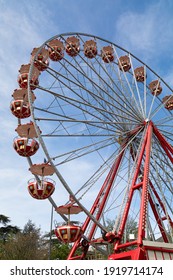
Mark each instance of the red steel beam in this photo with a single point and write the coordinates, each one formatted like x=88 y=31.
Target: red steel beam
x=144 y=197
x=97 y=206
x=130 y=196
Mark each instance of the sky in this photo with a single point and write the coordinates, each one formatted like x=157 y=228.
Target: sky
x=142 y=27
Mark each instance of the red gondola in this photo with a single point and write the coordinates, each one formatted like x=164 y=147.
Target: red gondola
x=25 y=147
x=41 y=62
x=68 y=233
x=124 y=63
x=155 y=87
x=56 y=50
x=23 y=77
x=168 y=100
x=107 y=54
x=43 y=190
x=27 y=130
x=140 y=74
x=90 y=49
x=20 y=109
x=72 y=46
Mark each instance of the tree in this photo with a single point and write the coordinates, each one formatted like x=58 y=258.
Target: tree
x=6 y=230
x=25 y=245
x=60 y=251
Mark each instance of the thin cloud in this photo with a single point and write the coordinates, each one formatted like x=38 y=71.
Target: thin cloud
x=148 y=32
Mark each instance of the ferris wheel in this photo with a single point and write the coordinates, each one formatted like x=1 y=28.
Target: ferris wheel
x=104 y=121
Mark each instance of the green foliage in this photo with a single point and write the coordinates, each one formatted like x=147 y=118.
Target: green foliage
x=25 y=245
x=60 y=251
x=4 y=220
x=6 y=231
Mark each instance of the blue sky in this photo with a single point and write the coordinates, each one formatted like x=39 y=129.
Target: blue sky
x=142 y=27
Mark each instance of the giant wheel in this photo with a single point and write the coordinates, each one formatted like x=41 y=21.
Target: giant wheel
x=99 y=111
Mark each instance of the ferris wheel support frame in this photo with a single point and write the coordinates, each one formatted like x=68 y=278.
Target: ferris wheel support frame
x=98 y=206
x=139 y=252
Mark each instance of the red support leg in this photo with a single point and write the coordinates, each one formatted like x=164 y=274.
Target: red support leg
x=144 y=198
x=130 y=196
x=98 y=205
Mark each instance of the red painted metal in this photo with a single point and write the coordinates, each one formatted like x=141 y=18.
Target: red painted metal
x=25 y=147
x=72 y=46
x=41 y=62
x=43 y=190
x=56 y=50
x=160 y=203
x=144 y=198
x=136 y=254
x=20 y=109
x=24 y=75
x=136 y=249
x=98 y=205
x=68 y=233
x=131 y=191
x=165 y=145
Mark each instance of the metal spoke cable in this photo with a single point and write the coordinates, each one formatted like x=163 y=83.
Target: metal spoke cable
x=94 y=85
x=96 y=97
x=111 y=96
x=106 y=83
x=161 y=121
x=74 y=103
x=76 y=156
x=129 y=181
x=160 y=162
x=121 y=94
x=129 y=86
x=137 y=89
x=160 y=106
x=153 y=99
x=129 y=113
x=128 y=143
x=158 y=187
x=162 y=194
